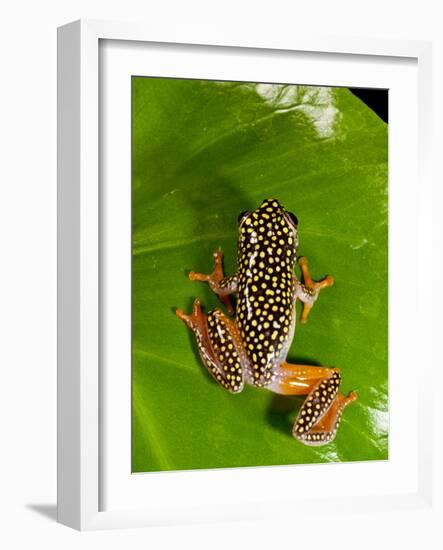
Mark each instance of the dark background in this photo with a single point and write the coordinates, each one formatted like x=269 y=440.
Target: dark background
x=376 y=99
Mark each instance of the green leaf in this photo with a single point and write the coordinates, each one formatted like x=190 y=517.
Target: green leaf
x=204 y=151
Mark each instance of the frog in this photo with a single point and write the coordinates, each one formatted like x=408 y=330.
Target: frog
x=249 y=344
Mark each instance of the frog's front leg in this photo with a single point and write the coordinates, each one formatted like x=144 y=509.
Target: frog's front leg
x=221 y=285
x=308 y=290
x=319 y=416
x=219 y=345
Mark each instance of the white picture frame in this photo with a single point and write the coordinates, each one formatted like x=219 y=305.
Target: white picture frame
x=79 y=270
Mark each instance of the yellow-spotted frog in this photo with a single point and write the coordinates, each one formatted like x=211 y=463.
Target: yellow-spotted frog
x=252 y=346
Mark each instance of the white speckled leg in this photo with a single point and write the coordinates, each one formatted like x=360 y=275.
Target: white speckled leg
x=219 y=346
x=319 y=416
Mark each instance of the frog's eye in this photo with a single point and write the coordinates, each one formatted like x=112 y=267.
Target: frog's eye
x=242 y=216
x=293 y=218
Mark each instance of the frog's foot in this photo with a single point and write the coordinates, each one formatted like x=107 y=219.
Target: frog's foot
x=196 y=320
x=319 y=416
x=221 y=285
x=219 y=345
x=308 y=291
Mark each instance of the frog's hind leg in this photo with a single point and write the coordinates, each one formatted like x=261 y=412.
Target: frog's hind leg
x=221 y=285
x=219 y=345
x=325 y=428
x=308 y=290
x=319 y=416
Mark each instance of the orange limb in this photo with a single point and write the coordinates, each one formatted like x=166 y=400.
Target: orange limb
x=310 y=289
x=301 y=379
x=319 y=416
x=221 y=285
x=196 y=320
x=327 y=422
x=219 y=345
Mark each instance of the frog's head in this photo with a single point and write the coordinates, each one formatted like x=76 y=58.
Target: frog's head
x=270 y=221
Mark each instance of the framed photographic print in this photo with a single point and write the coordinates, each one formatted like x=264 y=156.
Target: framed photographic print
x=303 y=147
x=235 y=225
